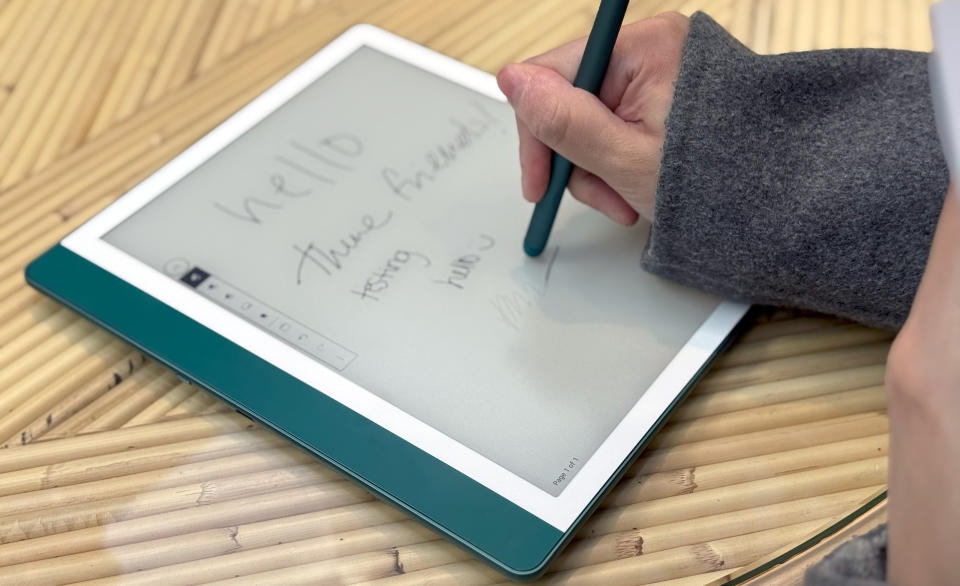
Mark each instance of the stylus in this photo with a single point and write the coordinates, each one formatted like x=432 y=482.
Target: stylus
x=593 y=66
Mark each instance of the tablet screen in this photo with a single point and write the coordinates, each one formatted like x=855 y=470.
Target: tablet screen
x=373 y=223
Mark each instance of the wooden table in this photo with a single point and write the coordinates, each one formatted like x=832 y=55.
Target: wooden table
x=112 y=465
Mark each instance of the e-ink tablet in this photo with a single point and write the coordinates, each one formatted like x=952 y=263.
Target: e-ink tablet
x=341 y=260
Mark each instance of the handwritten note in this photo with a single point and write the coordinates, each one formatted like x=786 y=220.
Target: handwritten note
x=310 y=167
x=379 y=212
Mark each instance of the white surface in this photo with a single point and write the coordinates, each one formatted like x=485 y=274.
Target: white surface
x=945 y=78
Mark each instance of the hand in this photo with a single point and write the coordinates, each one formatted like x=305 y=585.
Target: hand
x=615 y=139
x=923 y=390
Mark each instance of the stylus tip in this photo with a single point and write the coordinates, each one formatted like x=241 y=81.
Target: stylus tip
x=533 y=249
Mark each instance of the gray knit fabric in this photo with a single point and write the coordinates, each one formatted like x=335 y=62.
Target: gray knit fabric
x=809 y=180
x=859 y=562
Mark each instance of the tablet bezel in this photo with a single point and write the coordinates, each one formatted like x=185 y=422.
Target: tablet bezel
x=561 y=513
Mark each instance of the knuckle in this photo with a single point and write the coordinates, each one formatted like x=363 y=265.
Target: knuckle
x=671 y=22
x=664 y=27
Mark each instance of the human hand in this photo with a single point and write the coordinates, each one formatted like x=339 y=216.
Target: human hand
x=614 y=139
x=923 y=403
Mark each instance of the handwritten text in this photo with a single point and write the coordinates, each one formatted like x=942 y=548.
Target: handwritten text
x=382 y=278
x=331 y=258
x=466 y=134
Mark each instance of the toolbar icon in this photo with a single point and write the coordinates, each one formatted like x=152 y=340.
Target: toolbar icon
x=195 y=277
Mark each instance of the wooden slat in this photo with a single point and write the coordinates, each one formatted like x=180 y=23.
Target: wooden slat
x=828 y=24
x=214 y=47
x=178 y=61
x=873 y=16
x=850 y=32
x=63 y=86
x=119 y=38
x=26 y=31
x=8 y=16
x=118 y=88
x=39 y=74
x=77 y=113
x=146 y=62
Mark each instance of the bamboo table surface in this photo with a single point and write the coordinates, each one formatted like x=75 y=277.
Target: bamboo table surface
x=114 y=470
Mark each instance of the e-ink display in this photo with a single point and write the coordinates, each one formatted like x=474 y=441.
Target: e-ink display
x=379 y=233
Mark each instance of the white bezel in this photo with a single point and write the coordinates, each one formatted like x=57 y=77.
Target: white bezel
x=560 y=511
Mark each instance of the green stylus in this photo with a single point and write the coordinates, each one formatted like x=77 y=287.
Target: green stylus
x=593 y=66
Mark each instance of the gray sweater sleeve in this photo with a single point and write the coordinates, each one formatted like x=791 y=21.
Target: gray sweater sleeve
x=809 y=180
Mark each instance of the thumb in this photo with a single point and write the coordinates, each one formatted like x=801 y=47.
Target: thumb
x=569 y=120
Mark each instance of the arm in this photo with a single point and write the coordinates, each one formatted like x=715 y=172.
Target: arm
x=923 y=390
x=918 y=547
